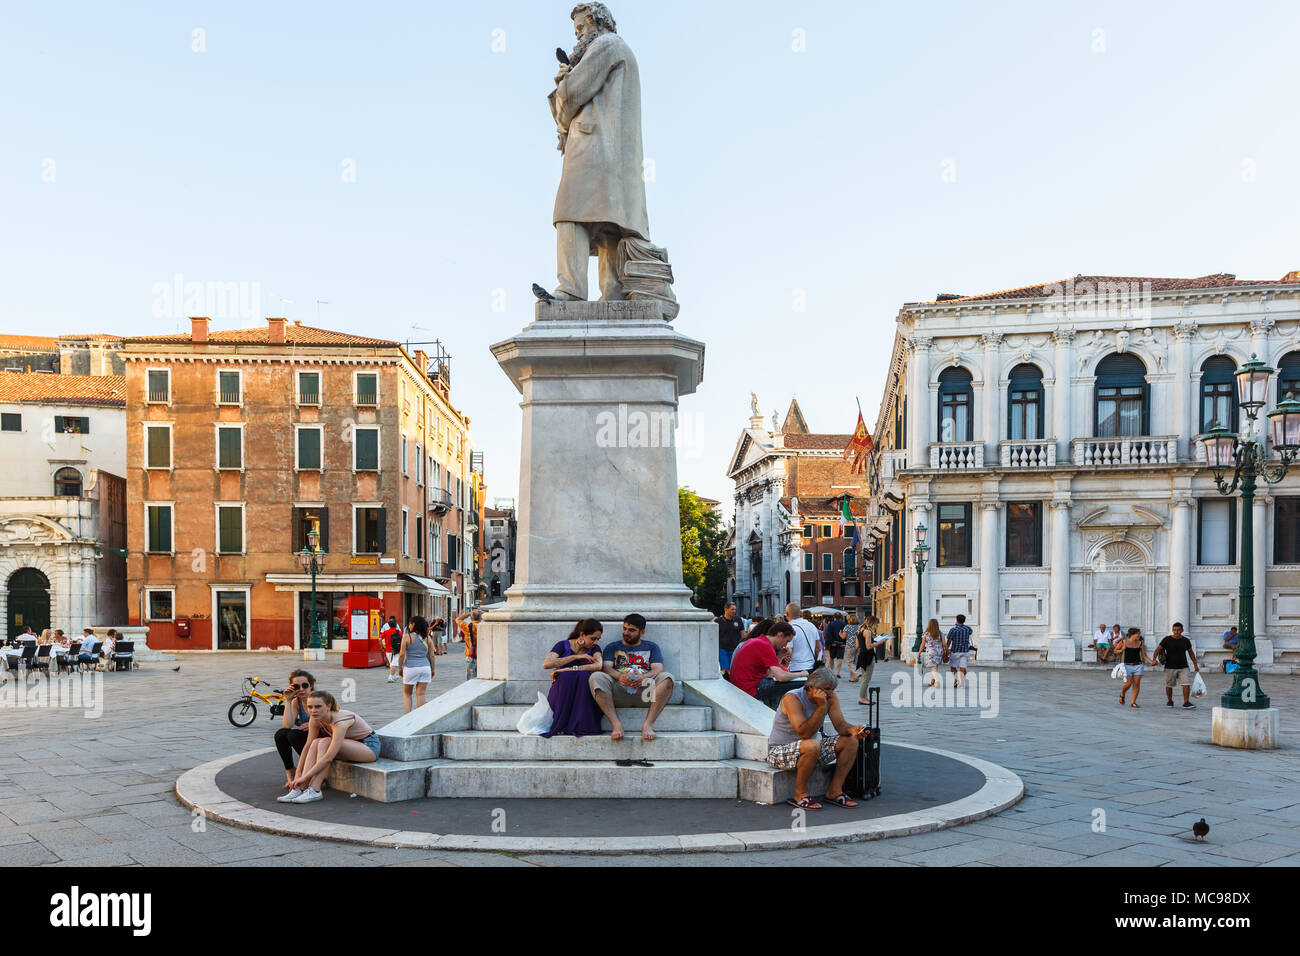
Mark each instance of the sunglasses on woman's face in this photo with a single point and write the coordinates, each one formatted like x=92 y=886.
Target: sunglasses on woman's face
x=301 y=686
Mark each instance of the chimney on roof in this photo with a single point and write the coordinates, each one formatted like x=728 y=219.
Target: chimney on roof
x=297 y=321
x=275 y=330
x=199 y=328
x=422 y=360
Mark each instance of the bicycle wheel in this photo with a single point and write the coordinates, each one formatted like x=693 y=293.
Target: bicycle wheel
x=242 y=712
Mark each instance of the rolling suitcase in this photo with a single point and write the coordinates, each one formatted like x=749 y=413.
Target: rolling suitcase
x=863 y=781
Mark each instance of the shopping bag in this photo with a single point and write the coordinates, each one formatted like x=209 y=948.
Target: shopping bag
x=1198 y=685
x=1118 y=672
x=537 y=719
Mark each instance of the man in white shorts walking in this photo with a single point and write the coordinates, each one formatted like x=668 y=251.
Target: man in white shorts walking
x=959 y=650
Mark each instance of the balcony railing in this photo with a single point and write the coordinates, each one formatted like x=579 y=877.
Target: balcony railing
x=158 y=395
x=439 y=501
x=891 y=463
x=957 y=455
x=308 y=396
x=1135 y=452
x=1028 y=453
x=438 y=571
x=229 y=396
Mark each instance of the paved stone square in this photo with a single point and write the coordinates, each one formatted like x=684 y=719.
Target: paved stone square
x=77 y=791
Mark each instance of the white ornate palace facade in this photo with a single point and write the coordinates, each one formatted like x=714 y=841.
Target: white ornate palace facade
x=1046 y=437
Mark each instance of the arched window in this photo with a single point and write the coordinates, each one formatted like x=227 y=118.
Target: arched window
x=850 y=563
x=1288 y=376
x=955 y=401
x=1218 y=393
x=1120 y=406
x=1025 y=405
x=67 y=483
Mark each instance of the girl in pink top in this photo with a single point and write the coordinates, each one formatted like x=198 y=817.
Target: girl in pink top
x=332 y=734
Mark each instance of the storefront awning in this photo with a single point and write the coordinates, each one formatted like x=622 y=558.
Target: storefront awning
x=428 y=584
x=344 y=581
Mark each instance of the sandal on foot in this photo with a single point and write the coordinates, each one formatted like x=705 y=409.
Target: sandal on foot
x=807 y=803
x=1135 y=705
x=842 y=800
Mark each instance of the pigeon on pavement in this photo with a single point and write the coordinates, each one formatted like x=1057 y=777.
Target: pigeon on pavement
x=1200 y=828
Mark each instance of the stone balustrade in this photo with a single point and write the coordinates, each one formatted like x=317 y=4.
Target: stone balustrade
x=1029 y=453
x=957 y=455
x=1137 y=451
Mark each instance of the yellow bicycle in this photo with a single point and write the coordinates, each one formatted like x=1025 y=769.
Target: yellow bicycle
x=244 y=711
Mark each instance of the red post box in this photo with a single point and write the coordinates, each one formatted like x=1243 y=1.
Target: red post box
x=182 y=627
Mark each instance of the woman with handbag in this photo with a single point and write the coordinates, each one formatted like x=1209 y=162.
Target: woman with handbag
x=933 y=652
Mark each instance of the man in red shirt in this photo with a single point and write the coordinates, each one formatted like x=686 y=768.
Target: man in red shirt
x=756 y=671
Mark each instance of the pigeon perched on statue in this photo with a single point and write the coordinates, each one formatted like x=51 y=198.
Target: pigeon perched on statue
x=1200 y=828
x=542 y=293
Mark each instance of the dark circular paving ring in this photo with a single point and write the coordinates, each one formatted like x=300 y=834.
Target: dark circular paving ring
x=922 y=789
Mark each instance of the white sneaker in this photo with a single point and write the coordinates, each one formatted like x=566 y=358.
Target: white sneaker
x=289 y=797
x=309 y=796
x=392 y=678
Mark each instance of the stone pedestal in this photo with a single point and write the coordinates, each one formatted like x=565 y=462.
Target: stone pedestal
x=599 y=535
x=1061 y=649
x=989 y=649
x=1263 y=651
x=1246 y=729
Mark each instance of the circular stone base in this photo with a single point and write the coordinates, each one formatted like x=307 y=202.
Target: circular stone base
x=922 y=789
x=1245 y=729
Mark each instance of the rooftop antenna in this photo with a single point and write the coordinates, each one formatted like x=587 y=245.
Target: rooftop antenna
x=319 y=303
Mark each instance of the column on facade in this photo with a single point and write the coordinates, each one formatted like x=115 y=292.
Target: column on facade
x=992 y=398
x=1180 y=558
x=1185 y=424
x=1261 y=565
x=918 y=394
x=990 y=567
x=1059 y=604
x=1061 y=392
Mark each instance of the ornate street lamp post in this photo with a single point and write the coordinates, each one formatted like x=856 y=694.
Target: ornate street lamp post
x=919 y=555
x=312 y=559
x=1247 y=458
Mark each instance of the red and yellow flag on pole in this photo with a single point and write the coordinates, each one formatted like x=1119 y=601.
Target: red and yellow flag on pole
x=858 y=446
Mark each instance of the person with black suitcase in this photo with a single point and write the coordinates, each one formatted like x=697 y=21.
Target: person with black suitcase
x=796 y=741
x=863 y=780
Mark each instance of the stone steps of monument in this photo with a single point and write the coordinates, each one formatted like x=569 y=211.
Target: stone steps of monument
x=514 y=746
x=672 y=719
x=759 y=783
x=582 y=779
x=384 y=780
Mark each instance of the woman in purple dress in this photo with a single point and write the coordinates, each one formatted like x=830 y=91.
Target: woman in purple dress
x=573 y=709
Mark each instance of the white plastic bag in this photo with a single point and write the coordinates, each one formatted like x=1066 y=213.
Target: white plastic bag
x=1118 y=672
x=1198 y=685
x=537 y=719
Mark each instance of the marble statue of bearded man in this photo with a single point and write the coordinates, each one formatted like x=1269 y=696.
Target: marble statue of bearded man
x=601 y=200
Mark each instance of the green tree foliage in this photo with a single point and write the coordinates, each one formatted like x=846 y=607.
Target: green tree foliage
x=704 y=557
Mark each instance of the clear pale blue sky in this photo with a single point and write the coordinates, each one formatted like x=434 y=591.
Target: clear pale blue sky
x=776 y=171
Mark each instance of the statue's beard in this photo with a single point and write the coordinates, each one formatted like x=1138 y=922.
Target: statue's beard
x=580 y=48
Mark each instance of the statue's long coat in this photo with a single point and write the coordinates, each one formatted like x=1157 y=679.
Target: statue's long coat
x=598 y=106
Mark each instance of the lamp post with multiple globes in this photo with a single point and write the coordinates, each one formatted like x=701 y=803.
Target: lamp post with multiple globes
x=1238 y=462
x=312 y=559
x=920 y=554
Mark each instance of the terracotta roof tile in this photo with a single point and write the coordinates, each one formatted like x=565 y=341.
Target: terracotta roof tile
x=293 y=335
x=822 y=441
x=34 y=388
x=823 y=509
x=40 y=343
x=1044 y=289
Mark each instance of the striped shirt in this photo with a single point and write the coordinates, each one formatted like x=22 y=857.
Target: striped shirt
x=959 y=639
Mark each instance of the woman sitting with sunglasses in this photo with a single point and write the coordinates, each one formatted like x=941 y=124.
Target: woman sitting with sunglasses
x=292 y=735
